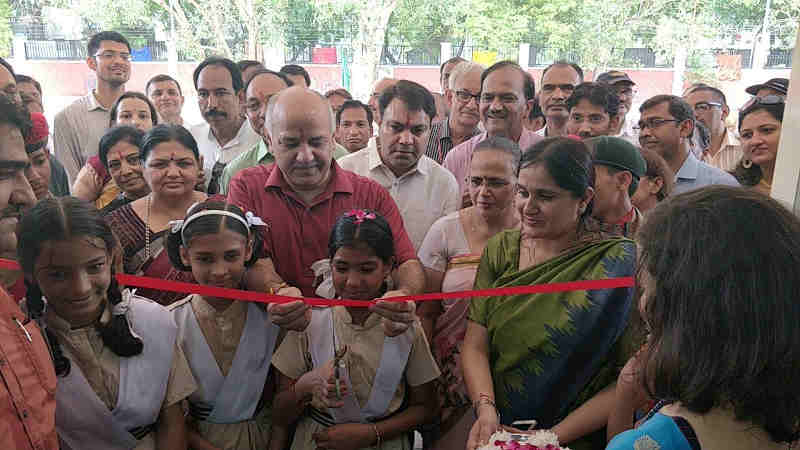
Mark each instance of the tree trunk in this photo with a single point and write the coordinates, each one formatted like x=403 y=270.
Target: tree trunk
x=373 y=20
x=681 y=53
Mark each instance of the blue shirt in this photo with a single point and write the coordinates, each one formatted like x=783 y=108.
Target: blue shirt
x=695 y=174
x=660 y=432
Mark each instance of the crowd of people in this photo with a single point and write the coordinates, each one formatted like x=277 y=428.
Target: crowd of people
x=498 y=181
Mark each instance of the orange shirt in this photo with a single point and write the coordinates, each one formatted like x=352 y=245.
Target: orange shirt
x=27 y=383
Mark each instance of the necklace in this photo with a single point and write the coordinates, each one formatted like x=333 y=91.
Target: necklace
x=147 y=230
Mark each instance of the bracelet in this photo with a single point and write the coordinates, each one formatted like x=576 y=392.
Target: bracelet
x=378 y=436
x=275 y=289
x=485 y=399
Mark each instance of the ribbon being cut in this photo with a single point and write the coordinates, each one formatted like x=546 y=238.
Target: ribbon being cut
x=134 y=281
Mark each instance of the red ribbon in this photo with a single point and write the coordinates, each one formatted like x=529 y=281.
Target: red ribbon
x=250 y=296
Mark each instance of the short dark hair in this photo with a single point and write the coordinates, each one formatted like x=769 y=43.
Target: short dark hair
x=536 y=110
x=678 y=108
x=568 y=162
x=501 y=144
x=137 y=95
x=717 y=92
x=26 y=79
x=248 y=63
x=562 y=63
x=737 y=348
x=233 y=69
x=281 y=75
x=115 y=135
x=97 y=39
x=8 y=67
x=341 y=92
x=160 y=78
x=294 y=69
x=598 y=94
x=354 y=104
x=657 y=167
x=375 y=233
x=451 y=60
x=15 y=115
x=751 y=176
x=210 y=224
x=168 y=133
x=414 y=95
x=528 y=85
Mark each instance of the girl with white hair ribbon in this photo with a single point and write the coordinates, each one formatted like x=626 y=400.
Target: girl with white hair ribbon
x=228 y=343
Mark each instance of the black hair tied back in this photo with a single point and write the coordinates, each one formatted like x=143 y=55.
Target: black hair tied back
x=117 y=334
x=35 y=306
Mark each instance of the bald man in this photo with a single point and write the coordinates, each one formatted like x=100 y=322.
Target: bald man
x=303 y=194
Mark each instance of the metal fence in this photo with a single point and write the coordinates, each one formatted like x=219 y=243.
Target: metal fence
x=780 y=57
x=745 y=54
x=401 y=55
x=76 y=50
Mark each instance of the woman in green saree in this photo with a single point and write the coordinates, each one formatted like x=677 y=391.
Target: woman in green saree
x=541 y=356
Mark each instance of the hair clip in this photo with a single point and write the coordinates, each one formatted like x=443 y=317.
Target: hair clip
x=360 y=215
x=254 y=220
x=176 y=225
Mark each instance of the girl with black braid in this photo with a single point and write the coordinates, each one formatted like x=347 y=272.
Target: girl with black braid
x=121 y=374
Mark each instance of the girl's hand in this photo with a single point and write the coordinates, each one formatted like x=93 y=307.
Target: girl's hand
x=321 y=383
x=629 y=388
x=397 y=316
x=483 y=428
x=347 y=436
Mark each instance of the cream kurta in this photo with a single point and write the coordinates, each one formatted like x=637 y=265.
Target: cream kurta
x=222 y=331
x=100 y=367
x=364 y=344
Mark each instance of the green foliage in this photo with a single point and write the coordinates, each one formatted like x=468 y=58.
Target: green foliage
x=5 y=29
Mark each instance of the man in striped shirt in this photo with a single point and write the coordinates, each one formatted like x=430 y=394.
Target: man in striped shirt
x=462 y=122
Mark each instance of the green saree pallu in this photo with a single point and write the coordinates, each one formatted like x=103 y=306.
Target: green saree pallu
x=548 y=353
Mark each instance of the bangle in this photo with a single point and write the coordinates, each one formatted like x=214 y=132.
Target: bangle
x=274 y=289
x=485 y=399
x=378 y=436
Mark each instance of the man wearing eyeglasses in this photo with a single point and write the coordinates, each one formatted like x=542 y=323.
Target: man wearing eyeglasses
x=77 y=129
x=558 y=81
x=666 y=127
x=711 y=108
x=463 y=95
x=507 y=93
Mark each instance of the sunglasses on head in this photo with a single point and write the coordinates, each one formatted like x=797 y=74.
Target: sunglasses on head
x=765 y=100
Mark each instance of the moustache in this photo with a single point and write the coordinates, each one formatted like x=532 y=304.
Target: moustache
x=215 y=113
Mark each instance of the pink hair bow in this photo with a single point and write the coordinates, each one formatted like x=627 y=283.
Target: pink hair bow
x=360 y=215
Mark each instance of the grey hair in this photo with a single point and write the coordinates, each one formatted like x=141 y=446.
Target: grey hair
x=462 y=69
x=501 y=144
x=274 y=99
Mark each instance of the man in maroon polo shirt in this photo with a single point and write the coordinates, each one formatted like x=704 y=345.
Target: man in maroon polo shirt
x=304 y=192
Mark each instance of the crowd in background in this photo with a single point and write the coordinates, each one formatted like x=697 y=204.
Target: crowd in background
x=497 y=181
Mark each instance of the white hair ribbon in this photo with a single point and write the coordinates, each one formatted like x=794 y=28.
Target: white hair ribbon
x=249 y=220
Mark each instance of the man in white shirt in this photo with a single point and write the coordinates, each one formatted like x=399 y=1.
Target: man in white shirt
x=166 y=95
x=423 y=190
x=226 y=133
x=558 y=81
x=77 y=129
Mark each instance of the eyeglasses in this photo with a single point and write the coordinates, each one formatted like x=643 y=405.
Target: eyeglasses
x=466 y=96
x=701 y=107
x=491 y=183
x=111 y=55
x=652 y=123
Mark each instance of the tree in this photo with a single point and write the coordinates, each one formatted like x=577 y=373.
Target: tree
x=6 y=38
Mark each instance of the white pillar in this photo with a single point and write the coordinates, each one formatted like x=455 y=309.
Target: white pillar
x=786 y=180
x=524 y=55
x=445 y=52
x=19 y=48
x=679 y=69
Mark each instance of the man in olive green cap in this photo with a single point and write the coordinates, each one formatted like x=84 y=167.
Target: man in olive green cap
x=618 y=166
